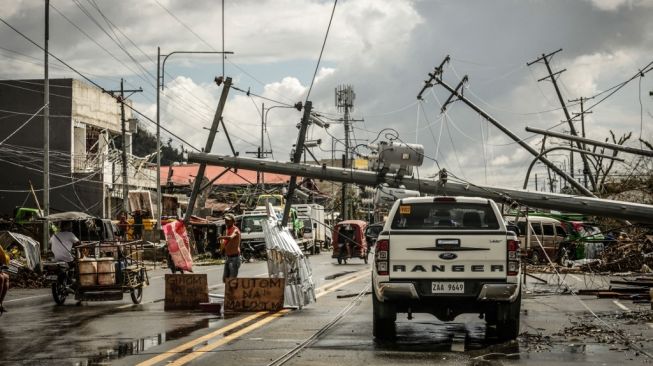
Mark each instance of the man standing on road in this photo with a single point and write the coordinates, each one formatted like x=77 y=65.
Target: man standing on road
x=231 y=248
x=62 y=243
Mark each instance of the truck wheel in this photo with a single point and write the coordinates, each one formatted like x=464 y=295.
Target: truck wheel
x=383 y=320
x=508 y=319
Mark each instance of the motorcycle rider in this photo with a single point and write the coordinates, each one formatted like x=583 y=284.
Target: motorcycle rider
x=231 y=248
x=62 y=243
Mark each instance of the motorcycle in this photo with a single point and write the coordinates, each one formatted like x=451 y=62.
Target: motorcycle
x=256 y=250
x=61 y=277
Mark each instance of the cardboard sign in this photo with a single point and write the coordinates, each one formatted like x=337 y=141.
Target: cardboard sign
x=185 y=291
x=253 y=294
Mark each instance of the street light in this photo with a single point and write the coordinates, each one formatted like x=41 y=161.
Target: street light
x=160 y=75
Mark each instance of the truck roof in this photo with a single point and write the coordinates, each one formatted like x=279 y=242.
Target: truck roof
x=433 y=198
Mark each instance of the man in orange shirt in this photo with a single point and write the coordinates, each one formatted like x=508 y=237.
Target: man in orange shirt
x=231 y=243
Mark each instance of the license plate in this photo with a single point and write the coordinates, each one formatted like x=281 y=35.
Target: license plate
x=51 y=277
x=448 y=287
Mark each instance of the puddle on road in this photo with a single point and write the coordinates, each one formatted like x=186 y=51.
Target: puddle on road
x=138 y=346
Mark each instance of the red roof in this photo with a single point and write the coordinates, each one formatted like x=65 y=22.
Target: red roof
x=183 y=175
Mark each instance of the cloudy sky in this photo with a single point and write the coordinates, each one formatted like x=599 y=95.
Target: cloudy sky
x=383 y=48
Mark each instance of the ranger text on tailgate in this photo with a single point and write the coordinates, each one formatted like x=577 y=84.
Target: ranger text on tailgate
x=446 y=256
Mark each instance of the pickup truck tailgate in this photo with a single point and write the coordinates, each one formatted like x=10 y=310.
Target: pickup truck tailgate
x=445 y=254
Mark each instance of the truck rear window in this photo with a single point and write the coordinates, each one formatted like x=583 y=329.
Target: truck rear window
x=445 y=216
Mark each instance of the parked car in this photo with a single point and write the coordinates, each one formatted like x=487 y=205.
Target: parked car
x=547 y=235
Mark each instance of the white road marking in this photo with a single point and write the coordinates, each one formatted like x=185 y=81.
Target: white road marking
x=622 y=306
x=575 y=277
x=26 y=298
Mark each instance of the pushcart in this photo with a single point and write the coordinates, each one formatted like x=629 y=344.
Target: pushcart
x=101 y=271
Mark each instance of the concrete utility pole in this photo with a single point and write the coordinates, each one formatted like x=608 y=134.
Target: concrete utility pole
x=438 y=79
x=562 y=202
x=209 y=145
x=296 y=158
x=552 y=76
x=582 y=130
x=260 y=151
x=46 y=133
x=345 y=102
x=123 y=121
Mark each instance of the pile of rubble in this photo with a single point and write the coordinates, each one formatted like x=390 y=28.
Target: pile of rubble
x=623 y=256
x=25 y=278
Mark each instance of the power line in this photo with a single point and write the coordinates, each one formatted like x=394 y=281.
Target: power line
x=317 y=66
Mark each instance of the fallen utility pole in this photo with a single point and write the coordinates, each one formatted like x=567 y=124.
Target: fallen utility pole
x=562 y=202
x=585 y=140
x=529 y=148
x=209 y=145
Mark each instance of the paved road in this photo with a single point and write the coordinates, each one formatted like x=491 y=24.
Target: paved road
x=556 y=329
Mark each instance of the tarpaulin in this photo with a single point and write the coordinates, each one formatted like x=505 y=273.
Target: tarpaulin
x=30 y=249
x=178 y=245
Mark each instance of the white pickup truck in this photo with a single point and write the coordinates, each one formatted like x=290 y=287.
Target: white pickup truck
x=446 y=256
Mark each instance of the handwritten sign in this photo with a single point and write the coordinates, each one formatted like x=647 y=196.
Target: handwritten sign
x=253 y=294
x=185 y=291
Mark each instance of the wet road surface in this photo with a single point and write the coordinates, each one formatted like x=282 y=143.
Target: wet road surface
x=556 y=329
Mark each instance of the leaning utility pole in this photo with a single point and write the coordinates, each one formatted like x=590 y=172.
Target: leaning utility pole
x=572 y=129
x=296 y=158
x=125 y=181
x=46 y=133
x=436 y=77
x=217 y=118
x=345 y=102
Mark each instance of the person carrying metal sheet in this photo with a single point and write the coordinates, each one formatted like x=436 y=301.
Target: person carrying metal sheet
x=231 y=243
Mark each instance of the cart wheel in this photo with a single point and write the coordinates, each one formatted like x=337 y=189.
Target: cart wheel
x=137 y=294
x=339 y=260
x=365 y=258
x=59 y=292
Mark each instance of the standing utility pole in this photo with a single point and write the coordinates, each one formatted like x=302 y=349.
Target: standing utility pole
x=125 y=181
x=345 y=101
x=572 y=129
x=260 y=151
x=582 y=131
x=46 y=133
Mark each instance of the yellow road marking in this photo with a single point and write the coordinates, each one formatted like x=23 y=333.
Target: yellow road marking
x=210 y=347
x=331 y=288
x=199 y=340
x=197 y=353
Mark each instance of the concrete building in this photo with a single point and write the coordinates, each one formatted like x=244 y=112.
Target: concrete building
x=85 y=167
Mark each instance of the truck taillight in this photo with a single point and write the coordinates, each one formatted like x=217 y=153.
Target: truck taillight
x=513 y=257
x=382 y=256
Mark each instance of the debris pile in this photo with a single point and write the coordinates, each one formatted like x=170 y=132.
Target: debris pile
x=623 y=256
x=636 y=289
x=26 y=278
